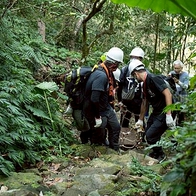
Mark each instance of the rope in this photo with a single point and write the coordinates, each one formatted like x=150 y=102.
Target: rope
x=130 y=137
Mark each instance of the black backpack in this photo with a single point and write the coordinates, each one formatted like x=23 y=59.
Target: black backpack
x=170 y=84
x=75 y=82
x=169 y=81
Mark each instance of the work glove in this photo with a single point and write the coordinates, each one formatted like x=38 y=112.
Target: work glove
x=169 y=121
x=139 y=123
x=120 y=104
x=98 y=122
x=116 y=108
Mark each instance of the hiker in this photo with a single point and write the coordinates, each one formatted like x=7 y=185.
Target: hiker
x=132 y=105
x=156 y=93
x=99 y=101
x=181 y=79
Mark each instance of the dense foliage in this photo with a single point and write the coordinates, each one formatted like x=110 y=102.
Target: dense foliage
x=180 y=142
x=32 y=126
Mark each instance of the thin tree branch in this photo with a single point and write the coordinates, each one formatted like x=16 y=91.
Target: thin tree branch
x=109 y=31
x=8 y=7
x=95 y=10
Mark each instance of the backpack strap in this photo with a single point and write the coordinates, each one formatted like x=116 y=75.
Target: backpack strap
x=94 y=68
x=124 y=72
x=111 y=84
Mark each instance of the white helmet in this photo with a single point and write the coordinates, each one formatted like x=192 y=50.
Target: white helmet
x=117 y=74
x=137 y=51
x=115 y=54
x=136 y=65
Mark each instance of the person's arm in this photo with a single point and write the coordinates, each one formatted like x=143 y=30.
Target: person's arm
x=98 y=87
x=143 y=109
x=95 y=100
x=183 y=82
x=95 y=95
x=182 y=85
x=119 y=92
x=168 y=98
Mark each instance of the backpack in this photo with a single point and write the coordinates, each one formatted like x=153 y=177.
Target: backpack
x=169 y=81
x=128 y=92
x=170 y=84
x=128 y=89
x=75 y=82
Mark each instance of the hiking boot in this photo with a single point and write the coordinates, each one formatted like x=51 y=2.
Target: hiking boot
x=69 y=110
x=159 y=156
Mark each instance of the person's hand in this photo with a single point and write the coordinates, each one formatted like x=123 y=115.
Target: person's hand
x=116 y=108
x=120 y=104
x=170 y=121
x=98 y=122
x=123 y=108
x=139 y=123
x=175 y=80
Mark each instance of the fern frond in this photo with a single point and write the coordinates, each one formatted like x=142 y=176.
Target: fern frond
x=14 y=135
x=26 y=123
x=32 y=156
x=16 y=156
x=29 y=140
x=2 y=128
x=6 y=140
x=13 y=109
x=6 y=167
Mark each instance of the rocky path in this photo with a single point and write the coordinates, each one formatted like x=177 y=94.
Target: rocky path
x=92 y=171
x=97 y=171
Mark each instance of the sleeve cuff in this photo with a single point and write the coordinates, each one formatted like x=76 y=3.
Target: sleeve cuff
x=182 y=85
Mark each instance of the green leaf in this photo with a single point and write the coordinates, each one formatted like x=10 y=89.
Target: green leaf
x=37 y=112
x=174 y=175
x=65 y=97
x=183 y=7
x=51 y=86
x=179 y=189
x=193 y=82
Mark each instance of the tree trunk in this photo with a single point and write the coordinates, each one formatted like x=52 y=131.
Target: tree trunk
x=41 y=29
x=156 y=43
x=95 y=9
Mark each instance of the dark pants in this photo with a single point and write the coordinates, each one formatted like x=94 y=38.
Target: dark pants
x=133 y=107
x=86 y=136
x=98 y=135
x=110 y=121
x=156 y=126
x=111 y=124
x=93 y=135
